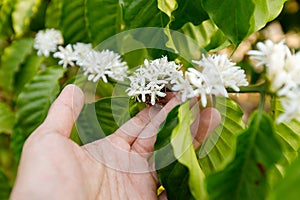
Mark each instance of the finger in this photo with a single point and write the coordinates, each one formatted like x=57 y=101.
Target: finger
x=204 y=124
x=64 y=111
x=132 y=128
x=145 y=141
x=163 y=196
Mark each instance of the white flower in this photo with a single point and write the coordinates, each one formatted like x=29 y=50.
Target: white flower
x=98 y=65
x=151 y=78
x=46 y=41
x=291 y=108
x=81 y=51
x=273 y=56
x=220 y=73
x=66 y=56
x=199 y=85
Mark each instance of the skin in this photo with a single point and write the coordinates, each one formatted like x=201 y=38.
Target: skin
x=117 y=167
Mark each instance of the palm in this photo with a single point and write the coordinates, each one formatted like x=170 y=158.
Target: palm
x=82 y=172
x=116 y=167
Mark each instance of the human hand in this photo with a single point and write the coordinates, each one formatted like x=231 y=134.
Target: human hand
x=117 y=167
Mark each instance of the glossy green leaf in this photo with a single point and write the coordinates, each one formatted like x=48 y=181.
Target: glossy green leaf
x=288 y=188
x=73 y=24
x=53 y=14
x=265 y=11
x=13 y=56
x=175 y=157
x=143 y=13
x=27 y=71
x=289 y=136
x=7 y=118
x=188 y=11
x=33 y=104
x=246 y=177
x=238 y=19
x=23 y=12
x=219 y=148
x=4 y=186
x=104 y=117
x=104 y=24
x=203 y=37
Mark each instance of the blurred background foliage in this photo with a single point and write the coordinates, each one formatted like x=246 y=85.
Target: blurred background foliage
x=20 y=20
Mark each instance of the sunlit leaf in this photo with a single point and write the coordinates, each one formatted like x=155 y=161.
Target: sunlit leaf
x=265 y=11
x=175 y=157
x=246 y=177
x=167 y=6
x=205 y=36
x=13 y=56
x=23 y=12
x=33 y=104
x=219 y=149
x=7 y=118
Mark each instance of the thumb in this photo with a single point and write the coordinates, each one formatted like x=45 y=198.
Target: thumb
x=64 y=111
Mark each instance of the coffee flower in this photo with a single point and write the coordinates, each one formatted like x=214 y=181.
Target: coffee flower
x=282 y=70
x=81 y=50
x=103 y=64
x=66 y=56
x=273 y=56
x=152 y=79
x=46 y=41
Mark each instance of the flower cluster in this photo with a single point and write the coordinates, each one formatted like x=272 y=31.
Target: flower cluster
x=95 y=64
x=46 y=41
x=282 y=70
x=152 y=78
x=214 y=74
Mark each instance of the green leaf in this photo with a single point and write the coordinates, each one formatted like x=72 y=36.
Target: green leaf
x=265 y=11
x=238 y=19
x=205 y=36
x=23 y=13
x=27 y=71
x=167 y=6
x=104 y=24
x=246 y=177
x=7 y=118
x=33 y=104
x=219 y=148
x=104 y=117
x=53 y=14
x=4 y=186
x=289 y=137
x=13 y=56
x=231 y=16
x=188 y=11
x=73 y=24
x=175 y=157
x=287 y=188
x=143 y=13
